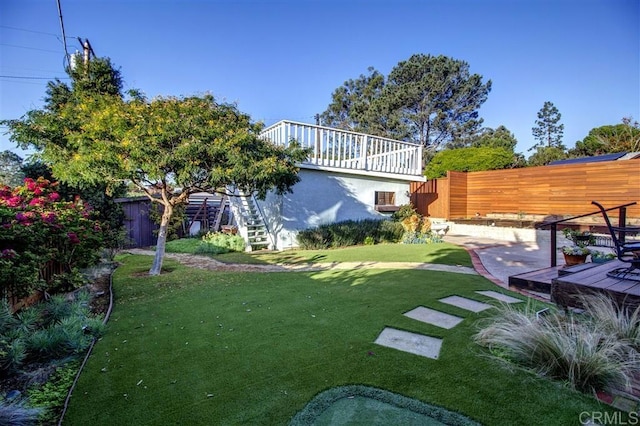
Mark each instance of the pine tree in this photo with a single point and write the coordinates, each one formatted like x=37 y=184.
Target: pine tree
x=548 y=130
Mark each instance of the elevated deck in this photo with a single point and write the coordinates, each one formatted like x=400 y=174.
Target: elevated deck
x=350 y=152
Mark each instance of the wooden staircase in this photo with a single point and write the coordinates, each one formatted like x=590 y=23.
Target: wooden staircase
x=250 y=220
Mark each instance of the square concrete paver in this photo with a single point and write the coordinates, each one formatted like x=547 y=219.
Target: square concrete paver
x=499 y=296
x=431 y=316
x=464 y=303
x=414 y=343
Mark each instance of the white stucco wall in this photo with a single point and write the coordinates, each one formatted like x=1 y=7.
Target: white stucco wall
x=324 y=197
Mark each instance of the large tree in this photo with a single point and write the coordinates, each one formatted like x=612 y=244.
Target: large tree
x=548 y=130
x=500 y=137
x=426 y=99
x=167 y=147
x=624 y=137
x=353 y=106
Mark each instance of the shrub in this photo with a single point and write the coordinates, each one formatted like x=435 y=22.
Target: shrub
x=43 y=235
x=420 y=238
x=52 y=329
x=471 y=159
x=405 y=211
x=12 y=354
x=561 y=347
x=349 y=233
x=218 y=242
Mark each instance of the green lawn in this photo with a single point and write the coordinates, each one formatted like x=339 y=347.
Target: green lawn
x=200 y=347
x=443 y=253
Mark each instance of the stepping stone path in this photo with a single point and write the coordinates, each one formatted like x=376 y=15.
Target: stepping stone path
x=427 y=346
x=431 y=316
x=499 y=296
x=414 y=343
x=464 y=303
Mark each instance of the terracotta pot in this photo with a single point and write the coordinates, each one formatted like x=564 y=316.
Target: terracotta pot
x=575 y=259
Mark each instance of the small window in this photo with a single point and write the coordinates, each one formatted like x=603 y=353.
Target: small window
x=385 y=202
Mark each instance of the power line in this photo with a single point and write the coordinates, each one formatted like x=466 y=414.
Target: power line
x=27 y=47
x=32 y=78
x=64 y=43
x=28 y=31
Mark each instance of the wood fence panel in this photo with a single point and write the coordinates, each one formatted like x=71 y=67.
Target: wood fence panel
x=431 y=198
x=547 y=190
x=458 y=194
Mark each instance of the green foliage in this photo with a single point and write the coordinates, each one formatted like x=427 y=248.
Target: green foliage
x=560 y=346
x=44 y=237
x=468 y=160
x=90 y=134
x=12 y=354
x=67 y=281
x=353 y=105
x=426 y=99
x=417 y=230
x=53 y=329
x=501 y=137
x=176 y=223
x=10 y=169
x=50 y=396
x=349 y=233
x=369 y=241
x=219 y=242
x=326 y=322
x=545 y=155
x=210 y=243
x=624 y=137
x=405 y=211
x=420 y=238
x=548 y=130
x=579 y=238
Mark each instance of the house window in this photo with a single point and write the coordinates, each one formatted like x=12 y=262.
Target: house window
x=386 y=202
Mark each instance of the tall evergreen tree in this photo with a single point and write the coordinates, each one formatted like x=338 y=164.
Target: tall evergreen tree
x=426 y=99
x=548 y=130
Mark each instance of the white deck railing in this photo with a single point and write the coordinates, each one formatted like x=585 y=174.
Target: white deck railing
x=348 y=150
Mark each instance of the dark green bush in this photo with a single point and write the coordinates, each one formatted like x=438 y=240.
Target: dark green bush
x=349 y=233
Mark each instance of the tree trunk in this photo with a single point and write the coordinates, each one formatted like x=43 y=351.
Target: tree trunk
x=162 y=240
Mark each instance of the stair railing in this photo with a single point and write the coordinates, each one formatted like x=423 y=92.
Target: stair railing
x=622 y=219
x=264 y=220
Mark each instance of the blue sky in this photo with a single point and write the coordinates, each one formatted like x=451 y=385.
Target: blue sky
x=283 y=59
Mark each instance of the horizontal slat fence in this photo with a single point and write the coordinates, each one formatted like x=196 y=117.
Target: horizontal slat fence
x=546 y=190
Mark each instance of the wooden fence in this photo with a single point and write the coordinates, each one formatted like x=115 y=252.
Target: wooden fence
x=547 y=190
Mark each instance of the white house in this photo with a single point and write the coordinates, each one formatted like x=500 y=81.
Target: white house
x=349 y=175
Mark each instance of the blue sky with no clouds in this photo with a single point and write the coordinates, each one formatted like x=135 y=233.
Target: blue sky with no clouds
x=283 y=59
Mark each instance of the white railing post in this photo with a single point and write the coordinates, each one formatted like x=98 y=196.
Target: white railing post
x=345 y=149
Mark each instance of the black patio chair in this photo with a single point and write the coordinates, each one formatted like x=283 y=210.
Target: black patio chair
x=628 y=252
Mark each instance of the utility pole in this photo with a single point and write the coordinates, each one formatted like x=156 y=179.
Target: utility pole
x=87 y=50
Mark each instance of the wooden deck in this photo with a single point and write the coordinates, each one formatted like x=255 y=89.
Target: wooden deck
x=566 y=288
x=540 y=280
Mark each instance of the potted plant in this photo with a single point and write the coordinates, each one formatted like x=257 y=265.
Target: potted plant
x=574 y=255
x=598 y=256
x=579 y=238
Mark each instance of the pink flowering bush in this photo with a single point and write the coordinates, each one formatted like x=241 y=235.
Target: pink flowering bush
x=42 y=238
